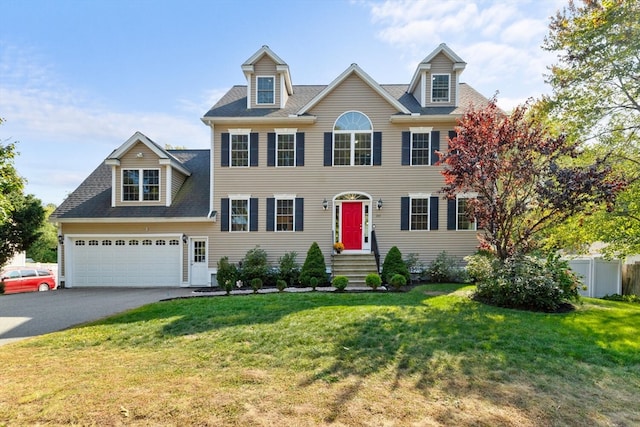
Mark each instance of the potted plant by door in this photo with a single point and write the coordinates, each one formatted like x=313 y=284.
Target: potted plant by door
x=338 y=247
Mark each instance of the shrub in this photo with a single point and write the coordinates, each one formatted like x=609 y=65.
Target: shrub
x=393 y=264
x=256 y=284
x=617 y=297
x=373 y=281
x=530 y=283
x=340 y=283
x=289 y=269
x=314 y=266
x=397 y=281
x=445 y=268
x=313 y=282
x=227 y=274
x=254 y=265
x=281 y=285
x=479 y=267
x=415 y=266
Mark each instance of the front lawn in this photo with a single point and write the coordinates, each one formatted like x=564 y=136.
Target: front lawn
x=429 y=357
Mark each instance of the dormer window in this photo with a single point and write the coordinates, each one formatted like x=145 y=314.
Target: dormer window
x=266 y=90
x=440 y=88
x=135 y=189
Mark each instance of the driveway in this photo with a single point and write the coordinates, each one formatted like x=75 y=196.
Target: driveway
x=37 y=313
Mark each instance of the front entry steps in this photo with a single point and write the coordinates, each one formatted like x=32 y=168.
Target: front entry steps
x=355 y=266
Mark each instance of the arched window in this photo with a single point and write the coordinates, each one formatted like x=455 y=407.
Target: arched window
x=352 y=140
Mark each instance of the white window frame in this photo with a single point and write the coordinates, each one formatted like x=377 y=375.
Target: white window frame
x=273 y=91
x=286 y=132
x=352 y=133
x=277 y=198
x=433 y=76
x=464 y=196
x=140 y=185
x=420 y=130
x=232 y=199
x=239 y=132
x=420 y=196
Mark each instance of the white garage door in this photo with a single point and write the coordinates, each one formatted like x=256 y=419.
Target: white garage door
x=125 y=261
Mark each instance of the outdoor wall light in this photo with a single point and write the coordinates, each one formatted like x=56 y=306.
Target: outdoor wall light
x=184 y=239
x=61 y=239
x=139 y=155
x=325 y=204
x=379 y=204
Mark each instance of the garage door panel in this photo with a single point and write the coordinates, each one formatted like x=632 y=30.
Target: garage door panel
x=125 y=261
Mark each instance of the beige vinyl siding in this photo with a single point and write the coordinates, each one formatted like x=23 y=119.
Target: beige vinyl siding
x=315 y=182
x=442 y=65
x=177 y=179
x=265 y=67
x=149 y=160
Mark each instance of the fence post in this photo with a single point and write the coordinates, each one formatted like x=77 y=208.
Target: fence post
x=631 y=279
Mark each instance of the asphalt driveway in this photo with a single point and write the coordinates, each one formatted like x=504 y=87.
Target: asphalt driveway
x=37 y=313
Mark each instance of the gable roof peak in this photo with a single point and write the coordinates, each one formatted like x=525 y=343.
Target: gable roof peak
x=447 y=51
x=264 y=50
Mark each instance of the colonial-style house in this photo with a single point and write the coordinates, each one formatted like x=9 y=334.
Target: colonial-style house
x=352 y=161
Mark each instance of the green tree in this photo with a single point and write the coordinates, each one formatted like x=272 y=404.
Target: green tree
x=596 y=97
x=314 y=267
x=45 y=248
x=20 y=216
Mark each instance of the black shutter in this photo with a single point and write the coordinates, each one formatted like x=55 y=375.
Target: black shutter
x=253 y=213
x=271 y=212
x=328 y=148
x=271 y=149
x=224 y=150
x=300 y=149
x=377 y=148
x=404 y=213
x=299 y=214
x=433 y=213
x=224 y=214
x=435 y=146
x=451 y=214
x=253 y=149
x=452 y=134
x=406 y=148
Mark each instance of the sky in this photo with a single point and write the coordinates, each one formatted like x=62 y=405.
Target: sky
x=79 y=77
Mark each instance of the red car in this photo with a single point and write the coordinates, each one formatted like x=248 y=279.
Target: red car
x=27 y=279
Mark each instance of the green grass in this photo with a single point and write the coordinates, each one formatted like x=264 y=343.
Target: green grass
x=430 y=356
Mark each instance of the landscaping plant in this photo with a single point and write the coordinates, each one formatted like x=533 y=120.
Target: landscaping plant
x=289 y=269
x=340 y=283
x=373 y=280
x=393 y=264
x=227 y=274
x=398 y=281
x=314 y=266
x=445 y=268
x=254 y=265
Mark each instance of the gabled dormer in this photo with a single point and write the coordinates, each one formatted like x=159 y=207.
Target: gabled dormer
x=144 y=174
x=436 y=80
x=268 y=80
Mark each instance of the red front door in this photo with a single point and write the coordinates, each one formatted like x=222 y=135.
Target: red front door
x=352 y=225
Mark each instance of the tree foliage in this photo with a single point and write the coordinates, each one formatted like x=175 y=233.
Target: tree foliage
x=45 y=248
x=20 y=216
x=596 y=96
x=524 y=178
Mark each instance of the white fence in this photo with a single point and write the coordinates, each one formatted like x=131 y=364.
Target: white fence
x=601 y=277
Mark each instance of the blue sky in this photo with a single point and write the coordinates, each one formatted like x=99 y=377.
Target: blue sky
x=78 y=78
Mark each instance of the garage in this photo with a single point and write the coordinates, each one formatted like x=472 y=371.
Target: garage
x=136 y=261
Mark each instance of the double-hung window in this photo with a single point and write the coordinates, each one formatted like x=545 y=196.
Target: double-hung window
x=353 y=140
x=136 y=189
x=286 y=149
x=239 y=149
x=463 y=219
x=440 y=88
x=419 y=219
x=284 y=214
x=266 y=91
x=420 y=148
x=239 y=215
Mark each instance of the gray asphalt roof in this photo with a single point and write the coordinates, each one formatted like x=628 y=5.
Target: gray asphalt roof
x=92 y=199
x=234 y=102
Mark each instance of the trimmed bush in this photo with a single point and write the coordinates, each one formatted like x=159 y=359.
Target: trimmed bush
x=398 y=281
x=479 y=267
x=254 y=265
x=281 y=285
x=445 y=268
x=530 y=283
x=289 y=269
x=227 y=274
x=393 y=264
x=314 y=266
x=373 y=281
x=340 y=283
x=256 y=284
x=313 y=282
